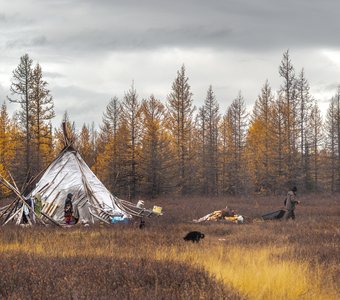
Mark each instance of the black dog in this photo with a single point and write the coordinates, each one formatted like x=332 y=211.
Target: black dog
x=142 y=224
x=194 y=236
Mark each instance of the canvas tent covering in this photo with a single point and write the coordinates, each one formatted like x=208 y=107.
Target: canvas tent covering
x=69 y=173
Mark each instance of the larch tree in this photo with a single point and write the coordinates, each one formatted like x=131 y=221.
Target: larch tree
x=201 y=156
x=4 y=136
x=18 y=147
x=156 y=156
x=109 y=161
x=131 y=118
x=123 y=181
x=331 y=142
x=21 y=89
x=180 y=114
x=209 y=117
x=236 y=125
x=337 y=118
x=288 y=96
x=111 y=118
x=225 y=145
x=7 y=153
x=42 y=108
x=305 y=103
x=85 y=146
x=260 y=141
x=314 y=139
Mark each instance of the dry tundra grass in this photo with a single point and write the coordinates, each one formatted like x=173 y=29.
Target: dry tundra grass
x=256 y=260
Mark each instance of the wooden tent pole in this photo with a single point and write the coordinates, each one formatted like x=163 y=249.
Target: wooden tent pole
x=50 y=219
x=8 y=208
x=13 y=209
x=17 y=212
x=11 y=187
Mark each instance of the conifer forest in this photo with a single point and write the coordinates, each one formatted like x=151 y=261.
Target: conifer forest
x=153 y=147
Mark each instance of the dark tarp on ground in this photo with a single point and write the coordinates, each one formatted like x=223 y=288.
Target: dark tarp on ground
x=278 y=214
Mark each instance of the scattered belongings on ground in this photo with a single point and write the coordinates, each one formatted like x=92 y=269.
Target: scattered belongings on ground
x=90 y=201
x=194 y=236
x=225 y=214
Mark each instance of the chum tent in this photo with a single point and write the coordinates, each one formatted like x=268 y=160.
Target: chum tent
x=69 y=173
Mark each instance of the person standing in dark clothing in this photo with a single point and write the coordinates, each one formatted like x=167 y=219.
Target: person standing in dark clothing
x=290 y=204
x=68 y=209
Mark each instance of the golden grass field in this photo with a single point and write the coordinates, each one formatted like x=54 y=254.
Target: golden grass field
x=256 y=260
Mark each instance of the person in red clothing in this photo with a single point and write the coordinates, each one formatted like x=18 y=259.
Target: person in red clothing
x=68 y=209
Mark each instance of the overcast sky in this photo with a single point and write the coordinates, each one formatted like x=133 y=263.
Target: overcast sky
x=90 y=51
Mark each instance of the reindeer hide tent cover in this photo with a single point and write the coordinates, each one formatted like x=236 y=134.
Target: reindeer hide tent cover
x=69 y=173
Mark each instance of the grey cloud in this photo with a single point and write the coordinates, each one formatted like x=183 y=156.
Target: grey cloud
x=53 y=75
x=242 y=40
x=114 y=25
x=82 y=105
x=3 y=18
x=14 y=20
x=264 y=24
x=37 y=41
x=330 y=88
x=190 y=36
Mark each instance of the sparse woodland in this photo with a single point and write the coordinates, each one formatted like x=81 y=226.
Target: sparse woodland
x=152 y=147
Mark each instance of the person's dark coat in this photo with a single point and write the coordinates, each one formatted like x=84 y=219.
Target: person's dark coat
x=68 y=207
